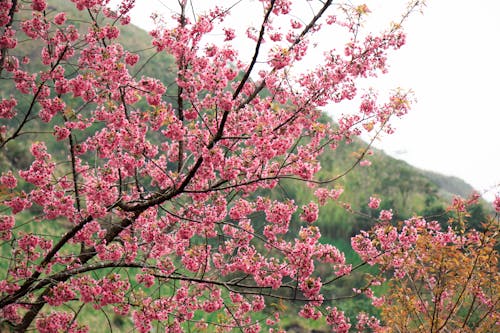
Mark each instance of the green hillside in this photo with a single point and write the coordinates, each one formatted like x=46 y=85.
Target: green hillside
x=449 y=185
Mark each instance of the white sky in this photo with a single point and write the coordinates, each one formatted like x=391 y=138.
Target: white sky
x=452 y=63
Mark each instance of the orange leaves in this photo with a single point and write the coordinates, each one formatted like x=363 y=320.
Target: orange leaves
x=452 y=285
x=362 y=9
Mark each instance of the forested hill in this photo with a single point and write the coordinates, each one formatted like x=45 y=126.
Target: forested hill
x=449 y=185
x=403 y=188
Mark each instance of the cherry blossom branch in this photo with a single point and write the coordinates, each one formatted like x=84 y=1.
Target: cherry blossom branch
x=32 y=103
x=304 y=32
x=260 y=39
x=3 y=50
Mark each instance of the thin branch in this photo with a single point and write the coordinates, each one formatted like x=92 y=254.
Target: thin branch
x=256 y=52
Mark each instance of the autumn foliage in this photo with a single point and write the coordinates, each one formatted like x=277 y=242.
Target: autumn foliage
x=440 y=279
x=152 y=200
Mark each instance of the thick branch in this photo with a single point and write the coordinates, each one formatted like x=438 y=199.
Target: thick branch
x=180 y=90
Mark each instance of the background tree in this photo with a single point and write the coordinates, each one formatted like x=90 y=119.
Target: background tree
x=447 y=280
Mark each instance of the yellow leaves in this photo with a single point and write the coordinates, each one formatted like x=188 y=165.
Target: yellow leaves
x=157 y=111
x=9 y=194
x=362 y=9
x=138 y=296
x=395 y=26
x=120 y=66
x=455 y=274
x=369 y=126
x=306 y=233
x=168 y=120
x=69 y=113
x=88 y=76
x=359 y=153
x=319 y=127
x=113 y=277
x=282 y=51
x=275 y=107
x=280 y=306
x=355 y=154
x=222 y=318
x=6 y=194
x=399 y=102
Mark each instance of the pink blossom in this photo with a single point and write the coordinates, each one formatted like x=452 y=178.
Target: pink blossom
x=337 y=320
x=276 y=36
x=41 y=169
x=111 y=32
x=58 y=321
x=322 y=194
x=296 y=24
x=174 y=180
x=7 y=39
x=60 y=294
x=311 y=287
x=39 y=5
x=496 y=204
x=6 y=224
x=229 y=34
x=131 y=58
x=61 y=133
x=310 y=312
x=365 y=322
x=386 y=215
x=147 y=279
x=8 y=180
x=374 y=202
x=280 y=58
x=36 y=27
x=310 y=213
x=7 y=108
x=365 y=163
x=11 y=313
x=60 y=18
x=18 y=204
x=459 y=204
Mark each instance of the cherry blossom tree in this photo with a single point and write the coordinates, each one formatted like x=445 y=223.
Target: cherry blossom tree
x=159 y=207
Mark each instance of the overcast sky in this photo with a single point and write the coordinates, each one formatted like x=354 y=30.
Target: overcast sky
x=452 y=63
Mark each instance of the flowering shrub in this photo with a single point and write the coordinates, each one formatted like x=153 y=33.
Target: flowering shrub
x=438 y=280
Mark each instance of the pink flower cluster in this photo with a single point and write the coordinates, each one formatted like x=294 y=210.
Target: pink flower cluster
x=5 y=7
x=6 y=225
x=496 y=204
x=374 y=202
x=7 y=108
x=324 y=194
x=41 y=169
x=8 y=180
x=385 y=215
x=59 y=321
x=310 y=213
